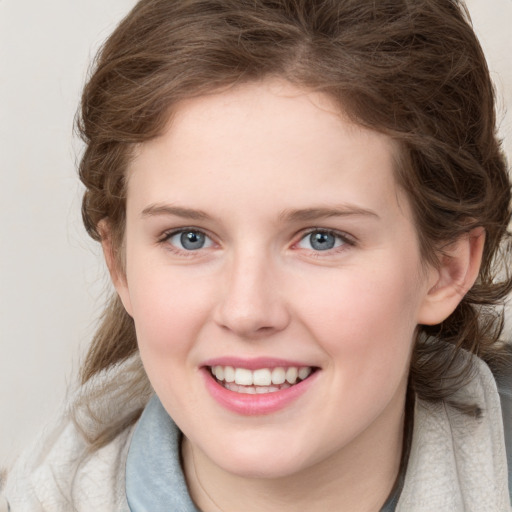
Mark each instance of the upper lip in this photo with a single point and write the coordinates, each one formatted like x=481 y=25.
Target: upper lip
x=254 y=363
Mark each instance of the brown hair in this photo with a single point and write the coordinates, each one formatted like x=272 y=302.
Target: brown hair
x=412 y=69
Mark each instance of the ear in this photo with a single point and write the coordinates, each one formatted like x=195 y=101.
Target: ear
x=458 y=270
x=117 y=273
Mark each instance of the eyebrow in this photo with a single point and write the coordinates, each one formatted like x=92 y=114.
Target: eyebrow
x=309 y=214
x=177 y=211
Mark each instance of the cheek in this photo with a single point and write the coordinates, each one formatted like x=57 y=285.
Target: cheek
x=369 y=318
x=169 y=312
x=367 y=329
x=169 y=309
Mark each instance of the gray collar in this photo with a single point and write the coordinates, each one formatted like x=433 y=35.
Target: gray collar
x=154 y=478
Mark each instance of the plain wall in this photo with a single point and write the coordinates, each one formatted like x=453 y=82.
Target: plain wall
x=52 y=278
x=51 y=274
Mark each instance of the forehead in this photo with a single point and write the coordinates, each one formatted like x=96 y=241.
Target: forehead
x=268 y=140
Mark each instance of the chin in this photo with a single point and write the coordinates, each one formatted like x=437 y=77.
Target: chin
x=255 y=462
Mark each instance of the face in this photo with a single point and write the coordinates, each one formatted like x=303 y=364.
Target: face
x=275 y=280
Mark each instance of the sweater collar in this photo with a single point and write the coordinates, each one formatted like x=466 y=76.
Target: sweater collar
x=154 y=478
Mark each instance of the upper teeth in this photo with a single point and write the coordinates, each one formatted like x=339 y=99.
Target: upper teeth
x=262 y=376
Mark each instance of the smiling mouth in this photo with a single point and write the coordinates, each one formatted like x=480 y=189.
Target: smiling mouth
x=260 y=381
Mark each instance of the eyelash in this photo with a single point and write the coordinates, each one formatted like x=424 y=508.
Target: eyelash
x=346 y=240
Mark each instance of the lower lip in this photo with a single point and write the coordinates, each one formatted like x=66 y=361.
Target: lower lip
x=258 y=404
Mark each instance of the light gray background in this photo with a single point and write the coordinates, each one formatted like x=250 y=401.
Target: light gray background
x=52 y=278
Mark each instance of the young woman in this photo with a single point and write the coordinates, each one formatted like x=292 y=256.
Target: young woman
x=303 y=207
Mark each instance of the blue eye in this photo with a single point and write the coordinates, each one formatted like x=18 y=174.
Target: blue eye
x=190 y=240
x=321 y=241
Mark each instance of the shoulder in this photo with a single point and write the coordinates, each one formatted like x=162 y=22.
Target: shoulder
x=61 y=475
x=504 y=384
x=457 y=461
x=60 y=472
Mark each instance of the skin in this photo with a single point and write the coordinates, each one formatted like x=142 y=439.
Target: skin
x=259 y=162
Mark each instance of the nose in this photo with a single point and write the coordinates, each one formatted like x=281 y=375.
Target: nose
x=252 y=301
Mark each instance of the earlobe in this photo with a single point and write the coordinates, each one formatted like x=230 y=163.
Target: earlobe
x=457 y=272
x=117 y=274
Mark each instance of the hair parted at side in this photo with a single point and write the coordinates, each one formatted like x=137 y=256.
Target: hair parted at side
x=412 y=69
